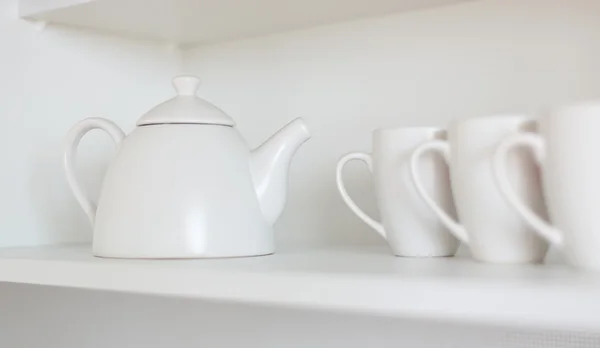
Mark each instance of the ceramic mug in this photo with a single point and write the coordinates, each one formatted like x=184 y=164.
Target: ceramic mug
x=406 y=223
x=566 y=147
x=492 y=230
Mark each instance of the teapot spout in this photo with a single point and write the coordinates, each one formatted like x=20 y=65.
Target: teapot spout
x=269 y=165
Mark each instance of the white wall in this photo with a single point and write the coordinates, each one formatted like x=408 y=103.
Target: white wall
x=419 y=68
x=49 y=80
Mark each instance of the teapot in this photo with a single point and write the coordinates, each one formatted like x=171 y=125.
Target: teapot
x=184 y=184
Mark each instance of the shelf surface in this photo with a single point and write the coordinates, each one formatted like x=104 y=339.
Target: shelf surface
x=359 y=280
x=207 y=21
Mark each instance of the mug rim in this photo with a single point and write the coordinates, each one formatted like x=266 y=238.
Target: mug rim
x=501 y=117
x=574 y=107
x=410 y=128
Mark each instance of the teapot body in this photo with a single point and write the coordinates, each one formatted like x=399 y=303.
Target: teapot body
x=184 y=184
x=180 y=191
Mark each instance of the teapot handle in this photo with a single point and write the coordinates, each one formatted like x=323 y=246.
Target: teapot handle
x=71 y=142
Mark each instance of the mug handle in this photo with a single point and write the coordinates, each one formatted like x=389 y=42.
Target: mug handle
x=536 y=143
x=71 y=142
x=376 y=225
x=443 y=148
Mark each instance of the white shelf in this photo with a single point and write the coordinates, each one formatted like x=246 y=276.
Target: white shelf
x=202 y=21
x=368 y=281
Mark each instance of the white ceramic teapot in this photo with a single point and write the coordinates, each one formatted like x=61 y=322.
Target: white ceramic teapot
x=184 y=184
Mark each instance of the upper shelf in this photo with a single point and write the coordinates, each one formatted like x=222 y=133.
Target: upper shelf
x=369 y=281
x=207 y=21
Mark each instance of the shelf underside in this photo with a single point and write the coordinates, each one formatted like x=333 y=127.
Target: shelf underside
x=207 y=21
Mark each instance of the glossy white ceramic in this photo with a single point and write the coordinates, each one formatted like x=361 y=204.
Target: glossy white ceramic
x=493 y=231
x=185 y=184
x=566 y=147
x=406 y=223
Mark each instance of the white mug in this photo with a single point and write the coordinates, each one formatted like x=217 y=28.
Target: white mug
x=406 y=223
x=566 y=147
x=492 y=230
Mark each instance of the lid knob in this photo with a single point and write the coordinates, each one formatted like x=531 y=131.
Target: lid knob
x=186 y=85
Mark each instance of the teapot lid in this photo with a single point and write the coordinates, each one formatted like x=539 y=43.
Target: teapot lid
x=186 y=107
